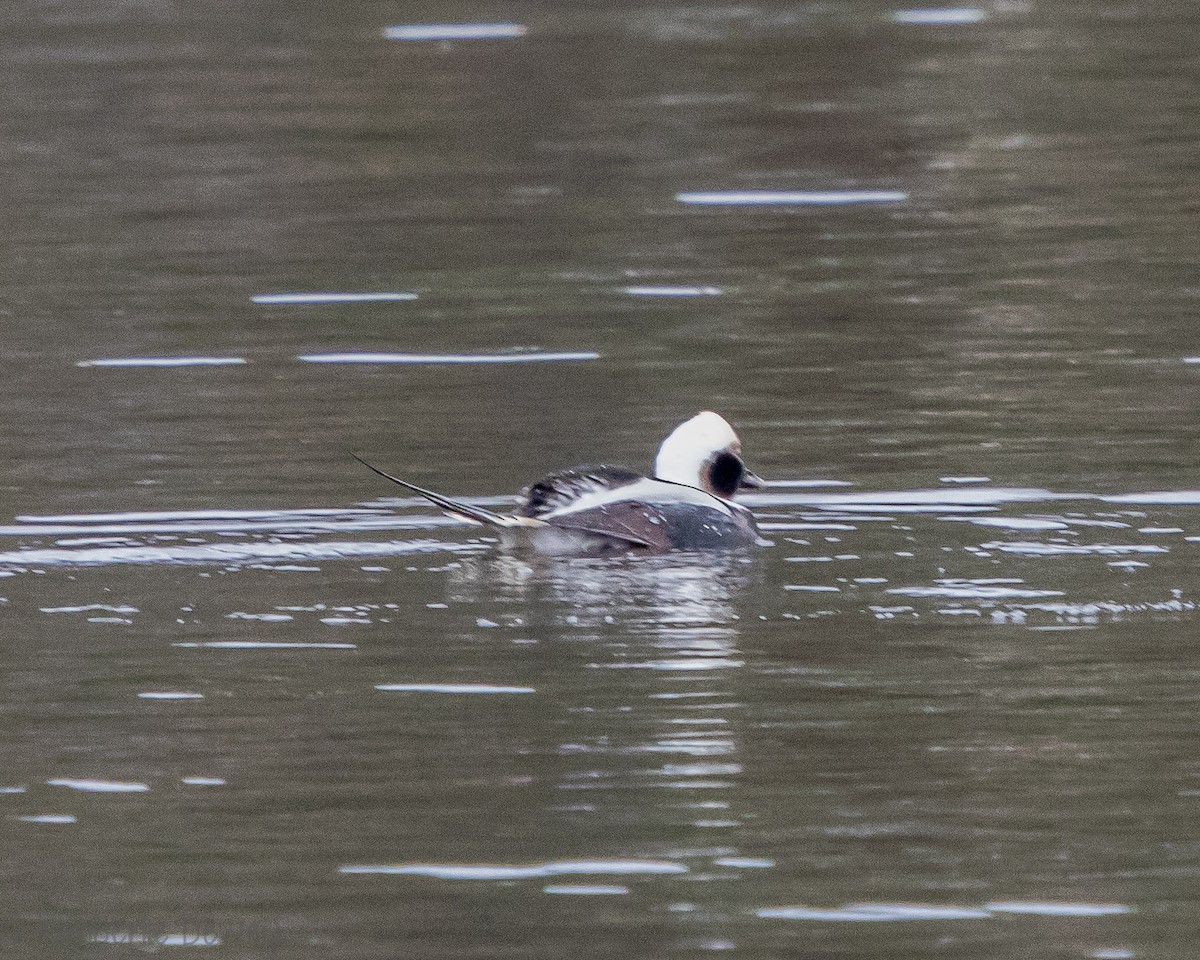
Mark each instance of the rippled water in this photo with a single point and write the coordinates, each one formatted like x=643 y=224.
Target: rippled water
x=937 y=264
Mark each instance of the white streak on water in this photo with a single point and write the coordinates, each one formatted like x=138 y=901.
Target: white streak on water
x=940 y=15
x=1081 y=522
x=444 y=358
x=288 y=567
x=949 y=497
x=148 y=943
x=48 y=818
x=933 y=507
x=785 y=484
x=229 y=553
x=78 y=541
x=697 y=769
x=188 y=940
x=189 y=515
x=449 y=688
x=698 y=745
x=203 y=781
x=1061 y=909
x=262 y=645
x=585 y=890
x=378 y=521
x=667 y=291
x=289 y=298
x=768 y=525
x=678 y=663
x=498 y=871
x=967 y=590
x=455 y=31
x=121 y=937
x=1014 y=523
x=1173 y=497
x=789 y=198
x=261 y=617
x=875 y=913
x=945 y=499
x=170 y=695
x=163 y=362
x=1054 y=549
x=90 y=606
x=99 y=786
x=1092 y=611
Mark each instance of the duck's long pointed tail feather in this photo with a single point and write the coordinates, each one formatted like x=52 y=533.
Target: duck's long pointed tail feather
x=457 y=508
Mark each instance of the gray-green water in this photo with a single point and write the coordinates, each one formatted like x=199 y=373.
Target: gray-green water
x=950 y=712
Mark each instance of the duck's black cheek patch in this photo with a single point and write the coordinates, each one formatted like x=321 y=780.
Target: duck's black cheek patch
x=725 y=473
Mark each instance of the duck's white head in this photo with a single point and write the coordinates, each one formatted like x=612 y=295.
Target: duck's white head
x=704 y=452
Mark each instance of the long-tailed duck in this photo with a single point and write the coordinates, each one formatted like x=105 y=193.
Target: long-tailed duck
x=687 y=505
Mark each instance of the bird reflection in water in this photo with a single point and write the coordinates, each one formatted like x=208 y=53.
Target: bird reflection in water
x=643 y=656
x=658 y=594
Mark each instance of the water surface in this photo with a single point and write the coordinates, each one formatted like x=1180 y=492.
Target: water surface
x=255 y=704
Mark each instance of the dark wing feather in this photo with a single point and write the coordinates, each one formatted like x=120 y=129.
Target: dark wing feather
x=629 y=521
x=563 y=488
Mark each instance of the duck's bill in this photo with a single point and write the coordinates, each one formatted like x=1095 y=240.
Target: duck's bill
x=751 y=481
